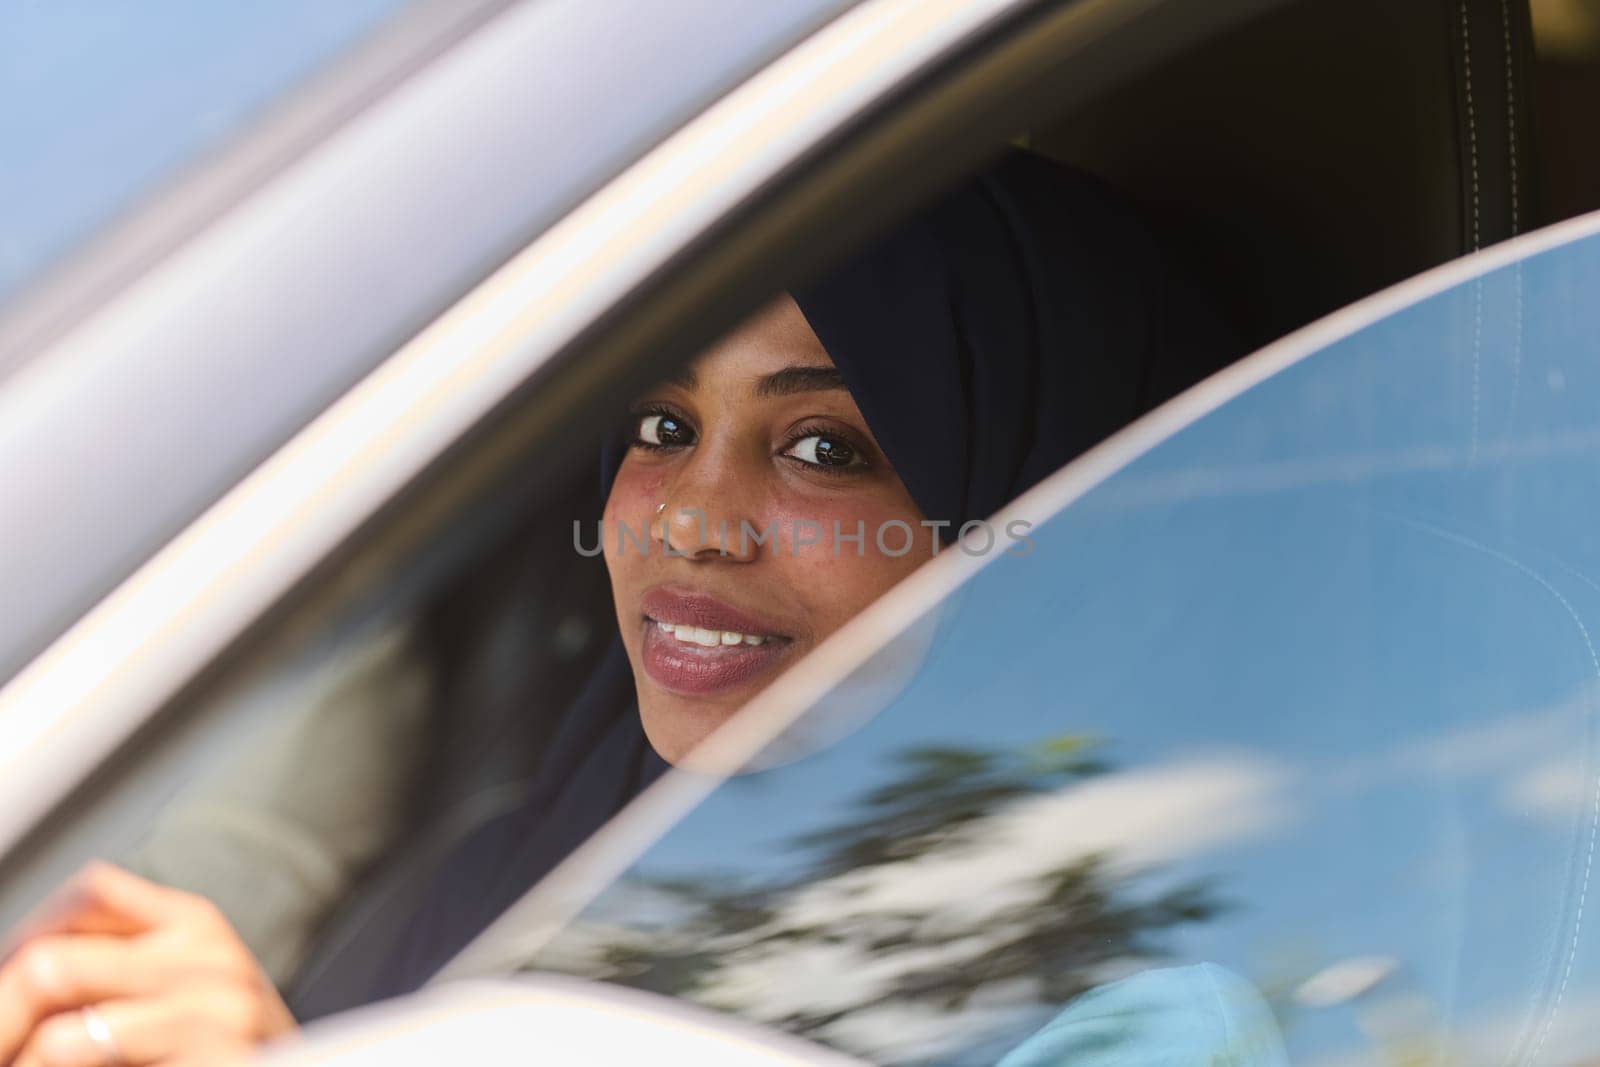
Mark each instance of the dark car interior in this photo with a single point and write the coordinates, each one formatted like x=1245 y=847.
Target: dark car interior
x=1297 y=157
x=1326 y=149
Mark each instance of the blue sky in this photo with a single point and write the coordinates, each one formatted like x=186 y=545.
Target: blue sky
x=102 y=100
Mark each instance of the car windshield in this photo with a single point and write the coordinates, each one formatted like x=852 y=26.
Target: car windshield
x=1290 y=721
x=100 y=103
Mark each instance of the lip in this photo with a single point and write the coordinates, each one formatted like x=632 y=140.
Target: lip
x=693 y=670
x=666 y=604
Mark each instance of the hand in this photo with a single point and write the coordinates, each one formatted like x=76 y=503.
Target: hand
x=162 y=969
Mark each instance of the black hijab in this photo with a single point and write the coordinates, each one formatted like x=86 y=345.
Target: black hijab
x=987 y=341
x=1006 y=329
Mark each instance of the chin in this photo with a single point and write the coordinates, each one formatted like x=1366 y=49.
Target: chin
x=686 y=693
x=674 y=725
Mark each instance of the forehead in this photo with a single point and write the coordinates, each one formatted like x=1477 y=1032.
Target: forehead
x=775 y=337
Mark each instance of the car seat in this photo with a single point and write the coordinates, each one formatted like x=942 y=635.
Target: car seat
x=1326 y=149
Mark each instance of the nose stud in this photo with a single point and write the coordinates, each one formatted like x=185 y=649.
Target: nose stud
x=660 y=508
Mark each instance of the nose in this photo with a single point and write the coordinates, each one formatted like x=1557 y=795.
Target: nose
x=709 y=512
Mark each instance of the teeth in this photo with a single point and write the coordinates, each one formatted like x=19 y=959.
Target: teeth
x=695 y=635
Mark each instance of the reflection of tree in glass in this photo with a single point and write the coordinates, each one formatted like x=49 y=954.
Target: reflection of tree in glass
x=939 y=793
x=867 y=930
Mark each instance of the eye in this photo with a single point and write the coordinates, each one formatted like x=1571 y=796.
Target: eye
x=662 y=429
x=824 y=450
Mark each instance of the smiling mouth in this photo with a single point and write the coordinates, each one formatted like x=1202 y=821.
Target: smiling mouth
x=689 y=634
x=698 y=661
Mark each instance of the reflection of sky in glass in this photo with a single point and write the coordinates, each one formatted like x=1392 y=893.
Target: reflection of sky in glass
x=1337 y=641
x=101 y=100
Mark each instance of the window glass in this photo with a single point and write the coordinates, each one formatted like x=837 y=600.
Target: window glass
x=99 y=102
x=1280 y=740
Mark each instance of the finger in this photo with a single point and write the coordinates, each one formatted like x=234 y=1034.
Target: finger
x=58 y=974
x=55 y=974
x=102 y=899
x=66 y=1040
x=149 y=1030
x=127 y=893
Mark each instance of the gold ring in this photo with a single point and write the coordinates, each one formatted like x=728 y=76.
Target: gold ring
x=94 y=1024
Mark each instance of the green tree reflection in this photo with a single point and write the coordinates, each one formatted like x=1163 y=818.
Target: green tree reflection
x=1045 y=944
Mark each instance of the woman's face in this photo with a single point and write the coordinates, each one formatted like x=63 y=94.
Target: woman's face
x=760 y=456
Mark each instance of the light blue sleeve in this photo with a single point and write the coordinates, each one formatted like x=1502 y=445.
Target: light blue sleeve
x=1204 y=1015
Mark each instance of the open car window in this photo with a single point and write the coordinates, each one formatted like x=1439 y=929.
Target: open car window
x=1291 y=719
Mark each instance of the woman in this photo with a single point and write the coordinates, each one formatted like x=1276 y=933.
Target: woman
x=921 y=384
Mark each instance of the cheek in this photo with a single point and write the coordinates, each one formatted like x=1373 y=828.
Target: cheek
x=635 y=492
x=632 y=503
x=838 y=578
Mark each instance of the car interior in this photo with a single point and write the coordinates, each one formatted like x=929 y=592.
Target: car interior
x=1297 y=155
x=1325 y=150
x=1298 y=159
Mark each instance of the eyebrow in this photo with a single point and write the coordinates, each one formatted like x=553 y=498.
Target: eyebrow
x=792 y=380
